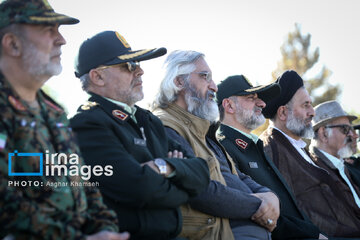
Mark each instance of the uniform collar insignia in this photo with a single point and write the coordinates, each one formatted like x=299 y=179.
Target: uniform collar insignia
x=241 y=143
x=52 y=105
x=88 y=105
x=119 y=114
x=16 y=103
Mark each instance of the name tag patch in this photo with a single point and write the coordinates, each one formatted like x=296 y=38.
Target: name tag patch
x=140 y=142
x=253 y=165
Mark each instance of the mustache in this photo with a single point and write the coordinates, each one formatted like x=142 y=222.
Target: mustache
x=256 y=108
x=136 y=81
x=210 y=94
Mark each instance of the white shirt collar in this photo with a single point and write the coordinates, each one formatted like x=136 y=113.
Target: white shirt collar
x=337 y=162
x=299 y=145
x=250 y=136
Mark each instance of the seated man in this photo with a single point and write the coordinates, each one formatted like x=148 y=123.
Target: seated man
x=240 y=107
x=34 y=203
x=315 y=191
x=331 y=144
x=150 y=177
x=186 y=105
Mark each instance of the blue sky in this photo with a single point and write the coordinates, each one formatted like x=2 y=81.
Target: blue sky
x=236 y=36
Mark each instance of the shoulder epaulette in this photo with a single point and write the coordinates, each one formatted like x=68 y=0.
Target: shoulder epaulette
x=88 y=105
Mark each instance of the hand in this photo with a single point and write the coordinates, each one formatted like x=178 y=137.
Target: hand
x=269 y=210
x=106 y=235
x=175 y=154
x=322 y=236
x=151 y=164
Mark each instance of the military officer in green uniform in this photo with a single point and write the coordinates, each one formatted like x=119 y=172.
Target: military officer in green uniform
x=34 y=204
x=151 y=178
x=240 y=106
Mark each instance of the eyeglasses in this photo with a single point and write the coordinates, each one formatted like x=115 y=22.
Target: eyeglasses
x=205 y=75
x=345 y=129
x=131 y=66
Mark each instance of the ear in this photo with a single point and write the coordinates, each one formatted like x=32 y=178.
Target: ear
x=282 y=113
x=11 y=45
x=322 y=134
x=229 y=106
x=97 y=77
x=179 y=82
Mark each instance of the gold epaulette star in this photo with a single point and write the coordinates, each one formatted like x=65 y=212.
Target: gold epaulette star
x=88 y=105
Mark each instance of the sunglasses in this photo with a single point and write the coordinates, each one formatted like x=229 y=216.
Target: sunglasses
x=345 y=129
x=205 y=75
x=131 y=66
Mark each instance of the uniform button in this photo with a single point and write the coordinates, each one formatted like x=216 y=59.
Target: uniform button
x=209 y=221
x=187 y=122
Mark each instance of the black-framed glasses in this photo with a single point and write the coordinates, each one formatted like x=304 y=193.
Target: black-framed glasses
x=344 y=128
x=131 y=66
x=205 y=75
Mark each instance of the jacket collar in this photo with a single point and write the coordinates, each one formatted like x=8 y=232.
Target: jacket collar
x=20 y=106
x=240 y=140
x=319 y=156
x=197 y=125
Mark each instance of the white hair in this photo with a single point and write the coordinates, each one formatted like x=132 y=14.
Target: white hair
x=178 y=63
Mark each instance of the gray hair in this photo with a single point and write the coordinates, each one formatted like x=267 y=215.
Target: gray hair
x=329 y=133
x=179 y=63
x=85 y=81
x=16 y=29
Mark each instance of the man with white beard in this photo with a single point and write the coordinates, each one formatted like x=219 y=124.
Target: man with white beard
x=316 y=192
x=186 y=105
x=333 y=141
x=240 y=106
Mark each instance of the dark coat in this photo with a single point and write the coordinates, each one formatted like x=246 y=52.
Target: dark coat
x=354 y=170
x=315 y=191
x=251 y=160
x=147 y=204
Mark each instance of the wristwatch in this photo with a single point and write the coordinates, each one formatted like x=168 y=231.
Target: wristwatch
x=161 y=164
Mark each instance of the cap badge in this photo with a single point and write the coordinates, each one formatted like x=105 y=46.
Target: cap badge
x=122 y=40
x=119 y=114
x=241 y=143
x=47 y=5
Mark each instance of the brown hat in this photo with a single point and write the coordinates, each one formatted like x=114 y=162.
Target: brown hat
x=327 y=112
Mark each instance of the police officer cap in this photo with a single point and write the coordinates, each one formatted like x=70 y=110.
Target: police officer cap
x=239 y=85
x=109 y=48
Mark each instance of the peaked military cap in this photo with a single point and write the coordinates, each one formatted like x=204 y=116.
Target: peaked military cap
x=239 y=85
x=31 y=12
x=289 y=82
x=109 y=48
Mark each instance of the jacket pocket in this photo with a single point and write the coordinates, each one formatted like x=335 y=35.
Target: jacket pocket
x=197 y=227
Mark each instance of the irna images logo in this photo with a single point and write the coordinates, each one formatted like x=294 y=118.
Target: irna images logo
x=15 y=153
x=57 y=164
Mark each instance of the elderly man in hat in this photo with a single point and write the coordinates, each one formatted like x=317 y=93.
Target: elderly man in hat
x=240 y=106
x=150 y=179
x=333 y=141
x=35 y=204
x=316 y=192
x=186 y=105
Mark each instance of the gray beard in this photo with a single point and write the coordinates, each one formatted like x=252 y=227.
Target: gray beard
x=32 y=62
x=298 y=127
x=201 y=107
x=345 y=151
x=248 y=118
